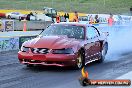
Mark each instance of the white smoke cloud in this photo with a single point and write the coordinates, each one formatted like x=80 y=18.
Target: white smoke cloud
x=120 y=41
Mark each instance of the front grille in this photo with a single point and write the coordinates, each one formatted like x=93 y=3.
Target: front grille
x=32 y=61
x=40 y=50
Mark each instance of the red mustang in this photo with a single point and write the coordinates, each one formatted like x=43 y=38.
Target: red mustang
x=65 y=44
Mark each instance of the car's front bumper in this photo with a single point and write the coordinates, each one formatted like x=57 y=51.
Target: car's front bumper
x=47 y=59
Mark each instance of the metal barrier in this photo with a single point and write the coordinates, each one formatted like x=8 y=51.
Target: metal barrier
x=31 y=25
x=11 y=25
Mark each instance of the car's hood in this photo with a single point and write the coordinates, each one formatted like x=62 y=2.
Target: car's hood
x=52 y=42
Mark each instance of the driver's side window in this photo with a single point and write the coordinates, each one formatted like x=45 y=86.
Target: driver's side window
x=91 y=33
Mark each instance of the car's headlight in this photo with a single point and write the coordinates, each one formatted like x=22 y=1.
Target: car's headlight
x=24 y=49
x=62 y=51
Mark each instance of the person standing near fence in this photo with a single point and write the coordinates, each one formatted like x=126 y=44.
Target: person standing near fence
x=75 y=18
x=58 y=18
x=66 y=17
x=96 y=19
x=91 y=20
x=62 y=19
x=110 y=20
x=29 y=15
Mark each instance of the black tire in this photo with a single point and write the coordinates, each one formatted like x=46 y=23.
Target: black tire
x=30 y=65
x=9 y=17
x=103 y=53
x=80 y=60
x=20 y=18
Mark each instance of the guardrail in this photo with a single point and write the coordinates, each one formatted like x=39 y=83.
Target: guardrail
x=31 y=25
x=15 y=25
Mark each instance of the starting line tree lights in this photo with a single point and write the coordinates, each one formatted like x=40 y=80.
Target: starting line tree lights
x=6 y=25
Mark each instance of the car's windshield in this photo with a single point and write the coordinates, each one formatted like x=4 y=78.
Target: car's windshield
x=71 y=31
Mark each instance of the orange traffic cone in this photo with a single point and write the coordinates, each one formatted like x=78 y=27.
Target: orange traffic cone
x=24 y=25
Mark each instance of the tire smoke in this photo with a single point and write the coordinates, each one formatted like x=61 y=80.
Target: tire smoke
x=119 y=40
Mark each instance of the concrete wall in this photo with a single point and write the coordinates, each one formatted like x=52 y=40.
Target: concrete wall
x=31 y=25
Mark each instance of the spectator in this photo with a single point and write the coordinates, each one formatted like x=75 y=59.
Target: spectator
x=91 y=20
x=75 y=18
x=58 y=19
x=110 y=20
x=119 y=20
x=96 y=19
x=28 y=16
x=63 y=19
x=31 y=14
x=65 y=16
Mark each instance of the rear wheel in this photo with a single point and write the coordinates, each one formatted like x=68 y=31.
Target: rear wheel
x=80 y=60
x=103 y=53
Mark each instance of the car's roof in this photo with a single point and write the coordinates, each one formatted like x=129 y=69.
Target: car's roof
x=72 y=23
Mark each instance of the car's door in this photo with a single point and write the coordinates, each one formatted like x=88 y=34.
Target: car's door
x=93 y=44
x=89 y=44
x=97 y=46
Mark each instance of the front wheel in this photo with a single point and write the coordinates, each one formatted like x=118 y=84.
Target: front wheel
x=80 y=60
x=103 y=53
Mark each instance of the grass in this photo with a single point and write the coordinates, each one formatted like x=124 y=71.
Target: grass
x=85 y=6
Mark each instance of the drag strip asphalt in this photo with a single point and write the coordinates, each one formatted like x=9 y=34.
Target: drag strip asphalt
x=15 y=75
